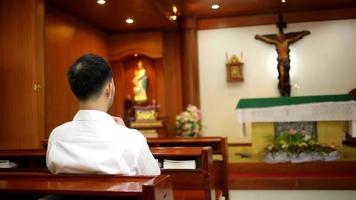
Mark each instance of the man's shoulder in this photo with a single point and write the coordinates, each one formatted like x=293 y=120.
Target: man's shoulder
x=134 y=134
x=61 y=128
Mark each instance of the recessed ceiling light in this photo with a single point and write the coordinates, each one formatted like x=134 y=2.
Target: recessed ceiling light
x=283 y=1
x=136 y=54
x=129 y=20
x=101 y=2
x=174 y=9
x=215 y=6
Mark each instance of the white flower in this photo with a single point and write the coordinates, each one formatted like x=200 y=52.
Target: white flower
x=187 y=126
x=178 y=118
x=270 y=147
x=192 y=108
x=307 y=137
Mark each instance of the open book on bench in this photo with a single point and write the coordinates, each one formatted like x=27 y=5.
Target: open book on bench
x=7 y=164
x=179 y=164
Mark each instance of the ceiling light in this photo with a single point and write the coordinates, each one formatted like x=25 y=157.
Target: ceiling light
x=215 y=6
x=129 y=20
x=283 y=1
x=174 y=9
x=101 y=2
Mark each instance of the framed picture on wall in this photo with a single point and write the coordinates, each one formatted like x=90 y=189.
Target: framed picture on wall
x=234 y=71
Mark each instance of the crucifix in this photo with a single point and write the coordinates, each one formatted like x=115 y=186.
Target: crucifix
x=282 y=41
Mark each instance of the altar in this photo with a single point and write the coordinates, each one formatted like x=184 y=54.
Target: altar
x=332 y=117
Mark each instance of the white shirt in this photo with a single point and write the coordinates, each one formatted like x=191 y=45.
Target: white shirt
x=94 y=143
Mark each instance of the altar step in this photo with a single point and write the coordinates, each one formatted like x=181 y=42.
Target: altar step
x=310 y=175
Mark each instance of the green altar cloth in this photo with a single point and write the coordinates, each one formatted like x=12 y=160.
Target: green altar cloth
x=301 y=108
x=284 y=101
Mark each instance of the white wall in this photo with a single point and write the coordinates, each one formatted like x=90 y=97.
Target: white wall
x=323 y=62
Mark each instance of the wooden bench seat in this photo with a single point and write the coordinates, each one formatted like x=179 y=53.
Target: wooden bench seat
x=28 y=185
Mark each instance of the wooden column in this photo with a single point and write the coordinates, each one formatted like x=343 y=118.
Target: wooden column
x=190 y=69
x=173 y=83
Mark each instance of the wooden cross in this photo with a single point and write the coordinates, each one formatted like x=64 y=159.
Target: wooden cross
x=282 y=42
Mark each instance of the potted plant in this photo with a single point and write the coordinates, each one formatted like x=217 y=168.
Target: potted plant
x=299 y=146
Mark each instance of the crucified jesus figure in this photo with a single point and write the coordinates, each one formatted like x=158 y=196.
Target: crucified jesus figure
x=282 y=42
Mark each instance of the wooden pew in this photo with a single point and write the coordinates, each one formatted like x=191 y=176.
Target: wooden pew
x=187 y=183
x=220 y=151
x=26 y=159
x=33 y=185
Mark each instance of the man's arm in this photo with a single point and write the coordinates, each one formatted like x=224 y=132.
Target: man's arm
x=297 y=36
x=147 y=164
x=119 y=121
x=266 y=39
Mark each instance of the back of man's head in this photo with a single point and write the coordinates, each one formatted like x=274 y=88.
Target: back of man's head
x=88 y=75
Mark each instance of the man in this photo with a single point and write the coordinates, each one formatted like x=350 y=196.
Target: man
x=95 y=142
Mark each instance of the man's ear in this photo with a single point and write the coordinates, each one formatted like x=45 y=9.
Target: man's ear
x=109 y=90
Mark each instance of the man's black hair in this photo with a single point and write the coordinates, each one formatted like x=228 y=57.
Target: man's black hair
x=88 y=75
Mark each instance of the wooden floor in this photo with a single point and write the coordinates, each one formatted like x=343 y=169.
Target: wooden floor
x=309 y=175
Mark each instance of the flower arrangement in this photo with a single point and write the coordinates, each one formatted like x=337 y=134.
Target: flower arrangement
x=188 y=123
x=299 y=146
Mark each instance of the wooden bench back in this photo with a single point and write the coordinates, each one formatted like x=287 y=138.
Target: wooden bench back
x=189 y=183
x=184 y=181
x=219 y=147
x=14 y=185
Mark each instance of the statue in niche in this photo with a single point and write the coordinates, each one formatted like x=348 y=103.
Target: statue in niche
x=143 y=116
x=140 y=82
x=282 y=42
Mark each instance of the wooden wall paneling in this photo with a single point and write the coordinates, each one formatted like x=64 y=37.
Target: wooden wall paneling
x=190 y=68
x=173 y=77
x=123 y=45
x=292 y=17
x=67 y=38
x=40 y=69
x=160 y=88
x=226 y=22
x=21 y=46
x=117 y=108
